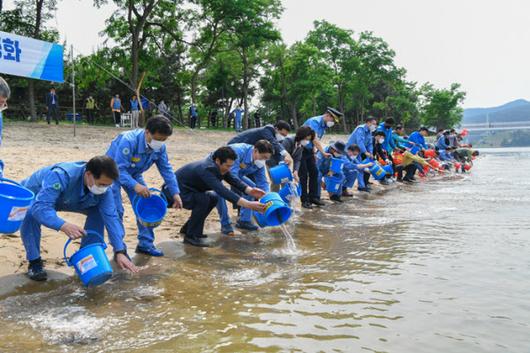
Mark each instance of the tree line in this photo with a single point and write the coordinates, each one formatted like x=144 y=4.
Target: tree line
x=220 y=53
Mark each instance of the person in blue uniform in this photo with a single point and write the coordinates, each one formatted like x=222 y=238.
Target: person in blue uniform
x=193 y=115
x=443 y=141
x=201 y=188
x=5 y=93
x=249 y=166
x=417 y=138
x=355 y=169
x=362 y=137
x=135 y=152
x=80 y=187
x=238 y=118
x=337 y=150
x=272 y=133
x=308 y=171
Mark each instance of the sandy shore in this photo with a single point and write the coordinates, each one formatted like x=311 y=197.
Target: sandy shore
x=28 y=147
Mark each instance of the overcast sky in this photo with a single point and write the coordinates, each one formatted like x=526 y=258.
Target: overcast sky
x=483 y=44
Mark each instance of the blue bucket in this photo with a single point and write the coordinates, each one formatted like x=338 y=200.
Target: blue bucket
x=276 y=213
x=289 y=191
x=281 y=174
x=151 y=210
x=377 y=172
x=336 y=165
x=414 y=150
x=91 y=263
x=333 y=184
x=388 y=169
x=15 y=201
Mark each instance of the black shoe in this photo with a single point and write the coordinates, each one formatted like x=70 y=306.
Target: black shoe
x=409 y=180
x=364 y=190
x=196 y=241
x=36 y=271
x=346 y=193
x=184 y=228
x=307 y=204
x=335 y=198
x=317 y=202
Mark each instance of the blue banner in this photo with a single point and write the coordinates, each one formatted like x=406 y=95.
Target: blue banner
x=28 y=57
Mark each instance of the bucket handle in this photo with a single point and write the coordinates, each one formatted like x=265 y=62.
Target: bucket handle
x=67 y=259
x=160 y=193
x=9 y=181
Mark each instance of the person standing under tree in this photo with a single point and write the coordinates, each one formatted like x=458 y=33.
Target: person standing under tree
x=238 y=118
x=193 y=115
x=52 y=106
x=115 y=105
x=135 y=110
x=90 y=106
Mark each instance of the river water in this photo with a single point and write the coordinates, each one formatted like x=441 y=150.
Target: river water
x=440 y=266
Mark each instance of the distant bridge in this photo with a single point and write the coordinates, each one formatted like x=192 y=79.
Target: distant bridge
x=507 y=125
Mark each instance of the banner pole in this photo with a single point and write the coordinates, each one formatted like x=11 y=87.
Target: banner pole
x=74 y=117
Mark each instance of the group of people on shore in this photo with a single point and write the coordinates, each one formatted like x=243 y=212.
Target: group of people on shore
x=94 y=188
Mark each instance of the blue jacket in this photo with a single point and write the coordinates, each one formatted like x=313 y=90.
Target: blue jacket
x=441 y=143
x=389 y=144
x=418 y=139
x=361 y=137
x=52 y=100
x=61 y=187
x=238 y=112
x=251 y=136
x=133 y=157
x=135 y=105
x=202 y=176
x=318 y=125
x=244 y=164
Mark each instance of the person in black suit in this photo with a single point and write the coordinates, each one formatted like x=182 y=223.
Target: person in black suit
x=52 y=106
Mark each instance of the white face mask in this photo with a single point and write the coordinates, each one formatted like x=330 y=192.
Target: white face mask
x=279 y=137
x=330 y=123
x=98 y=190
x=382 y=141
x=156 y=145
x=372 y=128
x=305 y=142
x=260 y=163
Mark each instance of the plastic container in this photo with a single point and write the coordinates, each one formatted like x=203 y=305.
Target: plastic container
x=15 y=201
x=91 y=264
x=388 y=169
x=414 y=150
x=276 y=213
x=429 y=153
x=467 y=166
x=336 y=165
x=434 y=163
x=281 y=174
x=289 y=191
x=333 y=183
x=150 y=211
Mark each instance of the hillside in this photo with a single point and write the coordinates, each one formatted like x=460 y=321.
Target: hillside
x=518 y=110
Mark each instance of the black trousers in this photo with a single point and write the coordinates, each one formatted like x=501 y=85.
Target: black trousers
x=193 y=122
x=90 y=116
x=200 y=204
x=53 y=111
x=410 y=170
x=308 y=175
x=117 y=117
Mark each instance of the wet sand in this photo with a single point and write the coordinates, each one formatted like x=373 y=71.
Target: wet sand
x=28 y=147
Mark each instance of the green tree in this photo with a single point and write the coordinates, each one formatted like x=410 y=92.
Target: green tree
x=441 y=108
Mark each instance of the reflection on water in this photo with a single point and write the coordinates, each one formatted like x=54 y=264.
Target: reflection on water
x=433 y=267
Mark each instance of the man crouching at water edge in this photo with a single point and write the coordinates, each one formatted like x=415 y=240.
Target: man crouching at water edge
x=201 y=187
x=78 y=187
x=135 y=152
